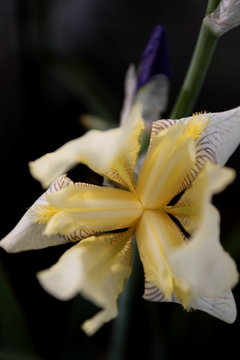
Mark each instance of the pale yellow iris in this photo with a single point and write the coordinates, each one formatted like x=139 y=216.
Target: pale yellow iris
x=193 y=270
x=98 y=266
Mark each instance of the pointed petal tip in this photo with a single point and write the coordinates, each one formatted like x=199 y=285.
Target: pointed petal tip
x=222 y=307
x=5 y=245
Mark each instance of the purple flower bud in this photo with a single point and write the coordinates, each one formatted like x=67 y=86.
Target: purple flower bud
x=155 y=58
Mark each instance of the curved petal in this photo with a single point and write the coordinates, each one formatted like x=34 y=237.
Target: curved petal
x=29 y=233
x=218 y=141
x=168 y=161
x=202 y=264
x=157 y=236
x=190 y=208
x=222 y=307
x=91 y=208
x=222 y=135
x=111 y=153
x=97 y=268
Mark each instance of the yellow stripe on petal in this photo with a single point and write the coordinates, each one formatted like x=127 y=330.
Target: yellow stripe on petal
x=92 y=208
x=157 y=236
x=169 y=160
x=97 y=268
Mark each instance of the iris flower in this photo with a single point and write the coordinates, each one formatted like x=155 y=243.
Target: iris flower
x=177 y=236
x=166 y=203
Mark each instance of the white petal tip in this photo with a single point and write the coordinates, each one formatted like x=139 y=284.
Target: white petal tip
x=5 y=244
x=56 y=285
x=223 y=307
x=37 y=174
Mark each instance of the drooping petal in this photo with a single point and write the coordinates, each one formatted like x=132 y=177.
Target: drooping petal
x=97 y=268
x=218 y=141
x=189 y=210
x=202 y=264
x=92 y=208
x=169 y=159
x=111 y=153
x=157 y=236
x=222 y=307
x=28 y=235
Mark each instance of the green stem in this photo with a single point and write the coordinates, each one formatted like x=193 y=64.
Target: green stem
x=211 y=6
x=197 y=70
x=120 y=330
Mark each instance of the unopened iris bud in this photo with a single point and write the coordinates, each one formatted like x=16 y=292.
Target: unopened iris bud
x=153 y=77
x=224 y=18
x=155 y=58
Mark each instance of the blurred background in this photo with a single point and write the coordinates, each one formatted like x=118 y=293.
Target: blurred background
x=60 y=59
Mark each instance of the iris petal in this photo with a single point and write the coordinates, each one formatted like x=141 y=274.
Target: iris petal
x=218 y=141
x=111 y=153
x=202 y=264
x=157 y=236
x=97 y=268
x=28 y=234
x=166 y=165
x=222 y=307
x=92 y=208
x=189 y=209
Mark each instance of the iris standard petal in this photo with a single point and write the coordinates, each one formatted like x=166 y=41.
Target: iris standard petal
x=97 y=268
x=92 y=208
x=170 y=158
x=111 y=153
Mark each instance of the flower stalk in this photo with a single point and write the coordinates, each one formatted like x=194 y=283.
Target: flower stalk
x=197 y=70
x=120 y=327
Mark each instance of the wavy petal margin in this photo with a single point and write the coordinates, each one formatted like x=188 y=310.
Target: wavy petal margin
x=97 y=268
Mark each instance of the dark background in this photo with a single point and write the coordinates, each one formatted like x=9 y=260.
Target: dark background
x=63 y=58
